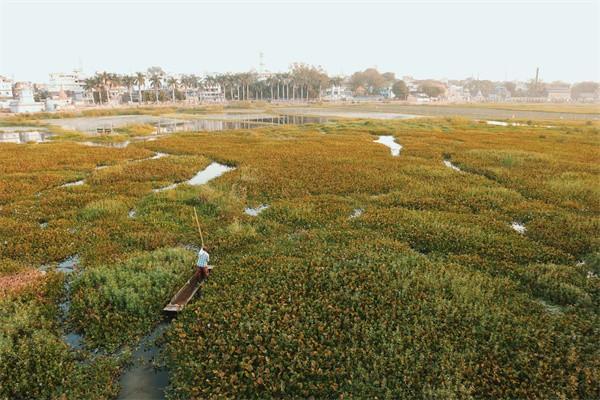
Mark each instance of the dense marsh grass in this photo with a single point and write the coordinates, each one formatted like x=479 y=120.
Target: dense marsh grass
x=429 y=293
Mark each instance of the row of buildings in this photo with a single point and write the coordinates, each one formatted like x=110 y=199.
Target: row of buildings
x=469 y=91
x=68 y=91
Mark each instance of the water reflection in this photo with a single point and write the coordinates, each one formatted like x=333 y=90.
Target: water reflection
x=143 y=380
x=24 y=137
x=115 y=145
x=210 y=125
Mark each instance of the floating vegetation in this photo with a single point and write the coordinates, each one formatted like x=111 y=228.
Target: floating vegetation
x=316 y=297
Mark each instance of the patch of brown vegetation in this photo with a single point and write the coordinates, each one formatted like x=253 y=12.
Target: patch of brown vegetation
x=15 y=283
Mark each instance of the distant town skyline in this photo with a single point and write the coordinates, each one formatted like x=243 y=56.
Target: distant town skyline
x=443 y=39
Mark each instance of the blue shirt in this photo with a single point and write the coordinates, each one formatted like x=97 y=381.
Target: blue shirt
x=203 y=258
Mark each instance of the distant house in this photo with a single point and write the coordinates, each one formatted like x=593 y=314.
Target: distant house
x=337 y=93
x=418 y=98
x=25 y=102
x=211 y=93
x=71 y=83
x=6 y=93
x=59 y=102
x=589 y=97
x=386 y=92
x=479 y=97
x=558 y=92
x=500 y=93
x=6 y=88
x=457 y=94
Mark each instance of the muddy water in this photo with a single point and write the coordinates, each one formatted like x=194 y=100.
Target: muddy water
x=142 y=380
x=68 y=266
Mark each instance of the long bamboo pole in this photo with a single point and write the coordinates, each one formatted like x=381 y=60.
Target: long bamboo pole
x=198 y=225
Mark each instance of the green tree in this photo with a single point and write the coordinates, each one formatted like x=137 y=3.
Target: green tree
x=431 y=89
x=484 y=86
x=400 y=90
x=583 y=87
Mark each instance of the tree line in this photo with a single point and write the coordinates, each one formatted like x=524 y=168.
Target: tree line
x=301 y=82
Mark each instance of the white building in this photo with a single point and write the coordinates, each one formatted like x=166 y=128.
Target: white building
x=67 y=82
x=418 y=98
x=457 y=94
x=6 y=85
x=25 y=102
x=211 y=93
x=335 y=93
x=6 y=93
x=559 y=92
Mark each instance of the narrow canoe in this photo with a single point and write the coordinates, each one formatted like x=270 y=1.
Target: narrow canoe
x=185 y=294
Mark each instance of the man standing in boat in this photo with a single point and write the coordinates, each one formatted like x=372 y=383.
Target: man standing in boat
x=202 y=264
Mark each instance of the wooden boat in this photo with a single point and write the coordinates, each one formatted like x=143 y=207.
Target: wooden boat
x=185 y=294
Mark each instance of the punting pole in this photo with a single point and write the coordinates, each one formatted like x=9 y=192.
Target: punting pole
x=198 y=224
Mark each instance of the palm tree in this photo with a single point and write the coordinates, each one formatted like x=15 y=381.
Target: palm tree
x=90 y=85
x=129 y=81
x=172 y=83
x=140 y=80
x=156 y=83
x=114 y=81
x=222 y=80
x=104 y=79
x=237 y=80
x=187 y=81
x=195 y=83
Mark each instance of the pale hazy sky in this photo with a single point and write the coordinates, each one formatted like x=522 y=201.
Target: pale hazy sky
x=437 y=39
